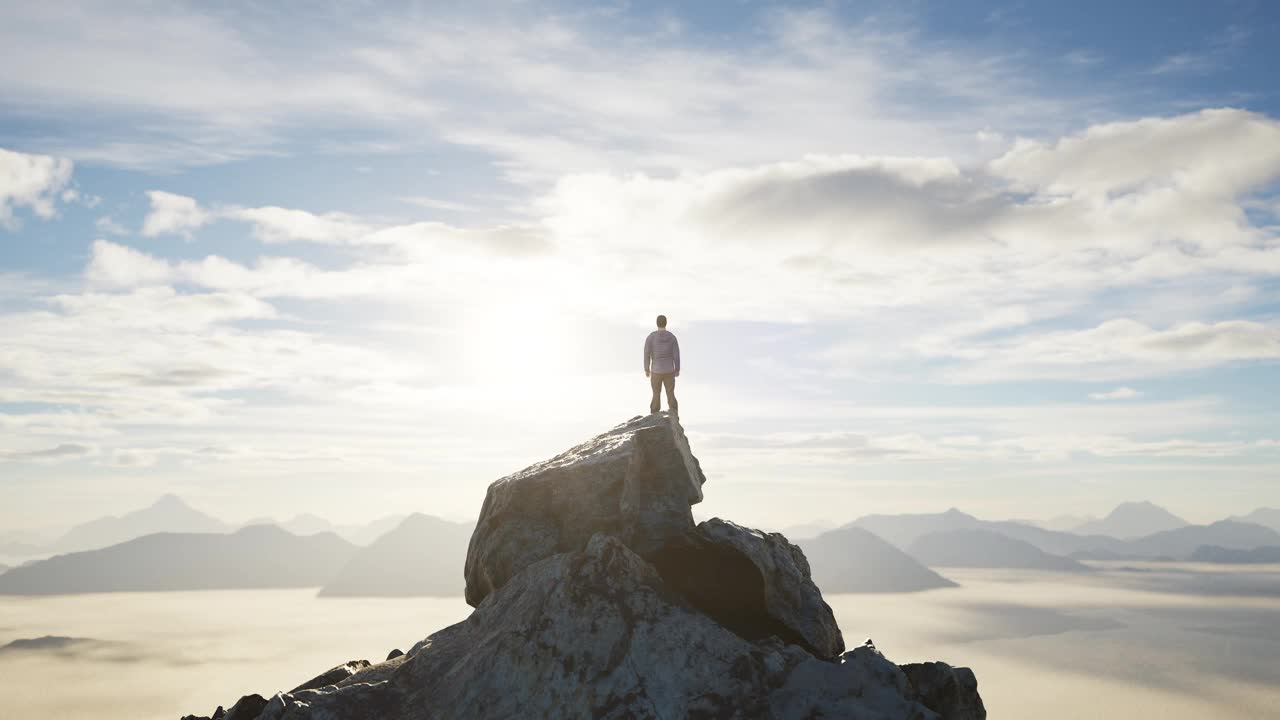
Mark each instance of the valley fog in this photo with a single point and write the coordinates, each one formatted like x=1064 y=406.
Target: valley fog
x=1164 y=640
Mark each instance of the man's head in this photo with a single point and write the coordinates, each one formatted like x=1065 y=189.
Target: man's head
x=662 y=321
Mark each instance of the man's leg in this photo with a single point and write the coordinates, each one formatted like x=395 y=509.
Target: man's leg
x=655 y=382
x=670 y=381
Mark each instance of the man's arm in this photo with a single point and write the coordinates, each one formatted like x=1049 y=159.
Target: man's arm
x=648 y=352
x=675 y=350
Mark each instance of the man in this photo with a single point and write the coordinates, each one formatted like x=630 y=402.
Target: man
x=662 y=365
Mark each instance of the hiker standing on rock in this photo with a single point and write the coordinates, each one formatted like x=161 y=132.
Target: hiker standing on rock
x=662 y=365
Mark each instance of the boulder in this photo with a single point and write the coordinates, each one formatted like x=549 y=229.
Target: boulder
x=951 y=692
x=635 y=482
x=754 y=583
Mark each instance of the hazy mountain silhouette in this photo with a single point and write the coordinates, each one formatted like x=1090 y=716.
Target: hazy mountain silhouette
x=805 y=531
x=308 y=524
x=423 y=555
x=1133 y=520
x=45 y=643
x=1266 y=517
x=263 y=556
x=854 y=560
x=1181 y=543
x=903 y=530
x=369 y=532
x=169 y=514
x=1061 y=523
x=1215 y=554
x=986 y=549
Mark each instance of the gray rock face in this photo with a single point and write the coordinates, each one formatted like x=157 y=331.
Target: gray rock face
x=951 y=692
x=635 y=482
x=744 y=577
x=596 y=633
x=645 y=617
x=334 y=675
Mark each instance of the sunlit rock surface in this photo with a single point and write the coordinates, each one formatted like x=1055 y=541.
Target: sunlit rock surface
x=596 y=596
x=635 y=482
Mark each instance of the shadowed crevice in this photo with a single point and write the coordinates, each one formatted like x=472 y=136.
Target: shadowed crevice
x=724 y=585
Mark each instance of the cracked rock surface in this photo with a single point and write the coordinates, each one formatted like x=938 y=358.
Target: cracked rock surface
x=630 y=611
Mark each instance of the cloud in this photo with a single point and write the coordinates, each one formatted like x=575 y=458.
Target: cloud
x=63 y=451
x=553 y=93
x=114 y=265
x=1120 y=393
x=277 y=225
x=835 y=448
x=172 y=214
x=1211 y=153
x=1120 y=349
x=106 y=224
x=31 y=181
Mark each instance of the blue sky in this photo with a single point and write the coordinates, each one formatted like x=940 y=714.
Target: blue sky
x=1020 y=258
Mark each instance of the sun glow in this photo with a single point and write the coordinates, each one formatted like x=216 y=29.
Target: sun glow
x=518 y=354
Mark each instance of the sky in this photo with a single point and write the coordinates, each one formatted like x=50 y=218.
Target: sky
x=362 y=258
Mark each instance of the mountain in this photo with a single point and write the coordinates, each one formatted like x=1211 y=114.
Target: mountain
x=1182 y=542
x=371 y=531
x=902 y=530
x=421 y=556
x=255 y=557
x=986 y=549
x=169 y=514
x=1062 y=523
x=805 y=531
x=1133 y=520
x=596 y=595
x=1215 y=554
x=304 y=524
x=1266 y=517
x=308 y=524
x=854 y=560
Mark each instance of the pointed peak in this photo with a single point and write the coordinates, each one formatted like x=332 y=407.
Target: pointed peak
x=169 y=500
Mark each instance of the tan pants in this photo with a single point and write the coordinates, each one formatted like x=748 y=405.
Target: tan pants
x=657 y=381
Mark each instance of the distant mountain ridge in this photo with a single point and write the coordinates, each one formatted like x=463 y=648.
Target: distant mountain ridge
x=980 y=548
x=854 y=560
x=1215 y=554
x=1133 y=520
x=1178 y=543
x=423 y=555
x=167 y=514
x=262 y=556
x=1267 y=517
x=309 y=524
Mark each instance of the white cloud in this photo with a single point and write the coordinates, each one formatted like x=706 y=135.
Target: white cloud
x=552 y=93
x=277 y=224
x=842 y=448
x=1211 y=153
x=173 y=214
x=1119 y=349
x=1120 y=393
x=32 y=181
x=106 y=224
x=114 y=265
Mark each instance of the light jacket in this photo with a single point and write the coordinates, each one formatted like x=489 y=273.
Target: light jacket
x=661 y=352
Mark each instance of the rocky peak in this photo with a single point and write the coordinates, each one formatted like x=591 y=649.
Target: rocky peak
x=635 y=482
x=596 y=596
